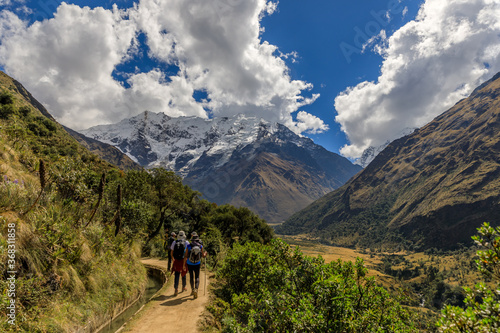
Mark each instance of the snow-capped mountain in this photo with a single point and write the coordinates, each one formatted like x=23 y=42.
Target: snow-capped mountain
x=240 y=160
x=371 y=152
x=157 y=140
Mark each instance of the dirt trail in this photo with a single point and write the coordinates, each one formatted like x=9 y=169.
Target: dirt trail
x=166 y=313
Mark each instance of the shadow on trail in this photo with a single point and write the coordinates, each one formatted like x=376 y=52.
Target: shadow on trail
x=172 y=301
x=161 y=298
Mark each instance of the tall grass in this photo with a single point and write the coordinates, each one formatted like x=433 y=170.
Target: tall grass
x=67 y=274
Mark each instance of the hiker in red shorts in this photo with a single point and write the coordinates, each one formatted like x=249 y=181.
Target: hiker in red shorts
x=178 y=253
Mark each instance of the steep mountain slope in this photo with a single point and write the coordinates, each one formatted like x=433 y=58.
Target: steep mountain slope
x=33 y=128
x=238 y=160
x=273 y=176
x=18 y=88
x=107 y=152
x=432 y=188
x=58 y=257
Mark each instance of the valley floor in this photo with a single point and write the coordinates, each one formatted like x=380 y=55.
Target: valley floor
x=166 y=313
x=457 y=267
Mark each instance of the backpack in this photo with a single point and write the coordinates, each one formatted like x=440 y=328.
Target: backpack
x=195 y=253
x=179 y=249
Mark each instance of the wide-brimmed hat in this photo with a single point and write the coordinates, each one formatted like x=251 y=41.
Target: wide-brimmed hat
x=173 y=234
x=181 y=235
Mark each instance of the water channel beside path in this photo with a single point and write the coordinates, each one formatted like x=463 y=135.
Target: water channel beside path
x=154 y=284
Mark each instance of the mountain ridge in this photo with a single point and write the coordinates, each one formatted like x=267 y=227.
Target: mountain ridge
x=432 y=188
x=105 y=151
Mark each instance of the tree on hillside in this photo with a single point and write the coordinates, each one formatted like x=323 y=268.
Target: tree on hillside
x=174 y=198
x=239 y=225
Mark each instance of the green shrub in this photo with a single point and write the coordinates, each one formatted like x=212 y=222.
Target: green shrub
x=25 y=110
x=6 y=98
x=239 y=225
x=49 y=125
x=272 y=288
x=38 y=130
x=482 y=313
x=7 y=110
x=68 y=150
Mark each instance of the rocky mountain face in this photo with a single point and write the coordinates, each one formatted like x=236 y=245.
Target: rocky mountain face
x=432 y=188
x=244 y=161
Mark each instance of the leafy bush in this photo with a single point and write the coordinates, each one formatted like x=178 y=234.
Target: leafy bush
x=483 y=303
x=42 y=126
x=49 y=125
x=6 y=111
x=38 y=129
x=273 y=288
x=25 y=110
x=6 y=98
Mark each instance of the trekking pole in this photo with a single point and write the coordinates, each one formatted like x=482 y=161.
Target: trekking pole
x=205 y=287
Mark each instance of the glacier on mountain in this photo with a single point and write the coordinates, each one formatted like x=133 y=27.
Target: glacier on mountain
x=157 y=140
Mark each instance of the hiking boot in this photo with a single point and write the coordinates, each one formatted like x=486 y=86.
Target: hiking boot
x=176 y=292
x=184 y=289
x=195 y=293
x=192 y=292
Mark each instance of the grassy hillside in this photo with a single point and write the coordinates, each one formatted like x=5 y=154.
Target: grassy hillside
x=30 y=129
x=68 y=272
x=432 y=188
x=28 y=106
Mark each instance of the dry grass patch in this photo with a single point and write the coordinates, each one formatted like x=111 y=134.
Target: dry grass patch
x=313 y=248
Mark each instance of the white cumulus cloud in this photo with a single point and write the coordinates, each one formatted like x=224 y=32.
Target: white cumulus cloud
x=68 y=62
x=309 y=123
x=429 y=64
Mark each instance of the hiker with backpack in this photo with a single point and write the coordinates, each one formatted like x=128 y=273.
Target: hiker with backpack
x=178 y=253
x=194 y=234
x=194 y=253
x=168 y=246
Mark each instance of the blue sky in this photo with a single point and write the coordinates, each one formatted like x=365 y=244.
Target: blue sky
x=316 y=33
x=100 y=66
